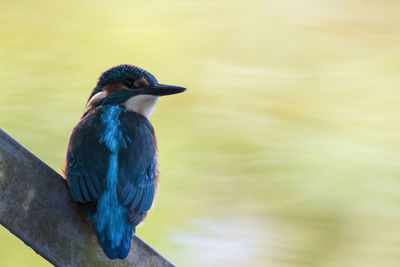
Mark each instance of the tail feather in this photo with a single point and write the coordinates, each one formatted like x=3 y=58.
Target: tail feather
x=114 y=252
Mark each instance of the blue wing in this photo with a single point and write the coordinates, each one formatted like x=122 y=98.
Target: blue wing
x=137 y=166
x=88 y=159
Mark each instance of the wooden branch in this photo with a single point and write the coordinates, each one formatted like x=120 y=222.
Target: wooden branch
x=35 y=205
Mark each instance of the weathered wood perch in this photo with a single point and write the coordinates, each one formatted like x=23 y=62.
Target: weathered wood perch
x=35 y=205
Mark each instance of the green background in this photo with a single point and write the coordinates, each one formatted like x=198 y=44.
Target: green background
x=285 y=151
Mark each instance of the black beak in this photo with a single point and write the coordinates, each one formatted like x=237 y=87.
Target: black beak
x=161 y=90
x=156 y=89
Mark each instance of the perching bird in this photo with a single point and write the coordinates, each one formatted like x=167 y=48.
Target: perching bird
x=111 y=164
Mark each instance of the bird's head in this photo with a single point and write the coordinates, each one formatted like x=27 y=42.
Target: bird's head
x=132 y=87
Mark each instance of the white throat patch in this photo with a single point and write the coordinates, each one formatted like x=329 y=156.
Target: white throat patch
x=142 y=104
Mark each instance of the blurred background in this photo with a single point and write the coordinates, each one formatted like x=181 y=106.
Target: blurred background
x=285 y=151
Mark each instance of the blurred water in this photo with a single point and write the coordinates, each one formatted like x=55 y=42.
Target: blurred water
x=285 y=149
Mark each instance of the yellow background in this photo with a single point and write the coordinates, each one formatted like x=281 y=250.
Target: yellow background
x=285 y=151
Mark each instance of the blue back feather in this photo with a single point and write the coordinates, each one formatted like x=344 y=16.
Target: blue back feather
x=111 y=217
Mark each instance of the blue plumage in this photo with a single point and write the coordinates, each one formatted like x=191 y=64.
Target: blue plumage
x=111 y=219
x=111 y=164
x=127 y=156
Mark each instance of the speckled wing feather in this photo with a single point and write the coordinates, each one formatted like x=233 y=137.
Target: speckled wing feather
x=87 y=160
x=137 y=166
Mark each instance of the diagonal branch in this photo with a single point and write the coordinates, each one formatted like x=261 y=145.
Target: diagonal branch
x=35 y=205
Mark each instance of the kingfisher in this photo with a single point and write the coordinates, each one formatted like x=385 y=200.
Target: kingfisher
x=111 y=164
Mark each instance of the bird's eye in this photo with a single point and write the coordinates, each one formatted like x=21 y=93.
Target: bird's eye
x=130 y=83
